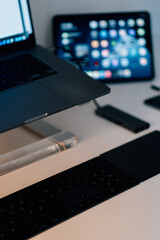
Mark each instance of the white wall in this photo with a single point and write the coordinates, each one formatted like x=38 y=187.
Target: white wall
x=43 y=10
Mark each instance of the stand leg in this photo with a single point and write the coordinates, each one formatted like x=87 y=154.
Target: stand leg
x=43 y=128
x=63 y=138
x=52 y=140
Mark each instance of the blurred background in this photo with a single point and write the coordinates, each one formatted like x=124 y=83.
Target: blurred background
x=43 y=11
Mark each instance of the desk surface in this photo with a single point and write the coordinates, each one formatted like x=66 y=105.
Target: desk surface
x=134 y=214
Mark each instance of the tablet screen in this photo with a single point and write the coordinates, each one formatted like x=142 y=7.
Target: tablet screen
x=109 y=47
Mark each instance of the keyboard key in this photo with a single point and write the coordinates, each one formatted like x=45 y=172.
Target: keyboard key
x=22 y=69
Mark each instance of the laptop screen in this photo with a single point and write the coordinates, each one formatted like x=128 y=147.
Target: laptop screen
x=15 y=22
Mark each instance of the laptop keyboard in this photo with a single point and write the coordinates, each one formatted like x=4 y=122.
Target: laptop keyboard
x=43 y=205
x=22 y=69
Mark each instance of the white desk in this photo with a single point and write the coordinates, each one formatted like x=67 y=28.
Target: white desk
x=132 y=215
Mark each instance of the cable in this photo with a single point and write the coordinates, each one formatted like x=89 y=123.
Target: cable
x=71 y=53
x=96 y=103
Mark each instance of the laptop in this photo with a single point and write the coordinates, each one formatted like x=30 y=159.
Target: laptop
x=34 y=83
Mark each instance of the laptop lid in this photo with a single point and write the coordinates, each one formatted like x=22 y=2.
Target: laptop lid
x=16 y=25
x=33 y=98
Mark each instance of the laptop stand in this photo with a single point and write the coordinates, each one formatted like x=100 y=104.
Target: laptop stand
x=30 y=143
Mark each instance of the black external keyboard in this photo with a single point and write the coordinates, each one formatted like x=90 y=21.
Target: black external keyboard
x=43 y=205
x=21 y=69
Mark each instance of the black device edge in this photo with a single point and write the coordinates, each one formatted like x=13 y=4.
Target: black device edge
x=153 y=102
x=122 y=118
